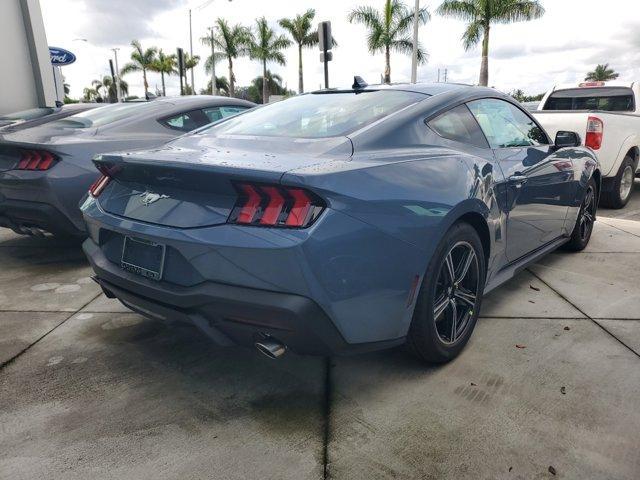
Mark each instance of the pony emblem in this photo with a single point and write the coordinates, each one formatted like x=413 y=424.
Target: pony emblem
x=149 y=197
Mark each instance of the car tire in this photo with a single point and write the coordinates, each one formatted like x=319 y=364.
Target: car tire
x=621 y=186
x=583 y=227
x=431 y=335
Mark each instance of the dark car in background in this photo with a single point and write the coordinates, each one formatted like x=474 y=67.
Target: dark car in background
x=341 y=220
x=46 y=170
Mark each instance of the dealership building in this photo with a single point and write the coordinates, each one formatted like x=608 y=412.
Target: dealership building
x=27 y=77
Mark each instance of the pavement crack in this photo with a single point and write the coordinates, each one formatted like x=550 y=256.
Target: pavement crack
x=637 y=354
x=8 y=362
x=326 y=434
x=621 y=229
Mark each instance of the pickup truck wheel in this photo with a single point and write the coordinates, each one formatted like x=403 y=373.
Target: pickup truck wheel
x=586 y=218
x=619 y=193
x=449 y=300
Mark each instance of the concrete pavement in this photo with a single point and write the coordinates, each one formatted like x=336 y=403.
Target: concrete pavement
x=549 y=381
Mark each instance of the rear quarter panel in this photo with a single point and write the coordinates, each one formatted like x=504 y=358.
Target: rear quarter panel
x=406 y=187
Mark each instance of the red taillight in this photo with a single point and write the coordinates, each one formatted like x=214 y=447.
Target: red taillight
x=301 y=206
x=36 y=160
x=275 y=206
x=99 y=185
x=250 y=205
x=594 y=133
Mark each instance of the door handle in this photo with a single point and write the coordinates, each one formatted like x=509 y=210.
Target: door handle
x=518 y=180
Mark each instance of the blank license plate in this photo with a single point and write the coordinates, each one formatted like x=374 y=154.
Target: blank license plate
x=143 y=257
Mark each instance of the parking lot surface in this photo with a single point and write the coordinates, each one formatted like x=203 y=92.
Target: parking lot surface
x=548 y=386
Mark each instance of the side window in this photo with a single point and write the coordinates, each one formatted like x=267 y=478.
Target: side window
x=218 y=113
x=505 y=125
x=459 y=125
x=185 y=121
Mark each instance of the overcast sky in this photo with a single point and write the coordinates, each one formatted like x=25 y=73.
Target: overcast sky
x=571 y=38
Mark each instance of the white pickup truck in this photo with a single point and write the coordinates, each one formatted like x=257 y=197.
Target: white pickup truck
x=608 y=115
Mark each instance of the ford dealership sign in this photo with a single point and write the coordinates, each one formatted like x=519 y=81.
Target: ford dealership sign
x=60 y=56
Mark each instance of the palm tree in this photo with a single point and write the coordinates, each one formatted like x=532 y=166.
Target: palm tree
x=390 y=30
x=190 y=63
x=303 y=34
x=265 y=45
x=112 y=92
x=164 y=65
x=518 y=94
x=97 y=86
x=481 y=14
x=90 y=94
x=222 y=87
x=602 y=73
x=230 y=42
x=254 y=91
x=141 y=60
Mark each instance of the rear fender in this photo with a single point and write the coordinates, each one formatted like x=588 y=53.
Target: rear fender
x=630 y=144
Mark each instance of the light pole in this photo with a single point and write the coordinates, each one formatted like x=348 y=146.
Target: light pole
x=199 y=7
x=193 y=87
x=214 y=87
x=414 y=59
x=118 y=92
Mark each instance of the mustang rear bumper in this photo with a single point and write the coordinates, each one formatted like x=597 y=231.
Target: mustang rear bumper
x=229 y=314
x=21 y=215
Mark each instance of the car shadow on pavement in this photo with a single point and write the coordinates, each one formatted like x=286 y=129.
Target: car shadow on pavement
x=206 y=383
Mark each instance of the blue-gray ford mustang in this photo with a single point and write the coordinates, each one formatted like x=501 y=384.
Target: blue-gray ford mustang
x=341 y=220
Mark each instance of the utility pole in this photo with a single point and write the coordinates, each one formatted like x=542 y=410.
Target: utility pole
x=181 y=71
x=414 y=58
x=214 y=87
x=118 y=91
x=193 y=86
x=445 y=75
x=325 y=42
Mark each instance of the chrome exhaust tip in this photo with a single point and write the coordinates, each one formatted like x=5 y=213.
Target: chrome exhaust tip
x=271 y=347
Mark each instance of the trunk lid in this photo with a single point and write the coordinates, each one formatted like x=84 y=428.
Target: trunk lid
x=189 y=183
x=50 y=137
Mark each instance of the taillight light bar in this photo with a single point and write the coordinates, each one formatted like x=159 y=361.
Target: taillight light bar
x=99 y=185
x=595 y=128
x=275 y=206
x=36 y=160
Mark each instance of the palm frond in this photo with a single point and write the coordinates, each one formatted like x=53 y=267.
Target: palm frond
x=375 y=41
x=509 y=11
x=466 y=10
x=278 y=57
x=472 y=34
x=368 y=16
x=219 y=57
x=130 y=67
x=405 y=22
x=405 y=46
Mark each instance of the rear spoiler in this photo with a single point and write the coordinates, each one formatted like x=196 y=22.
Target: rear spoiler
x=146 y=170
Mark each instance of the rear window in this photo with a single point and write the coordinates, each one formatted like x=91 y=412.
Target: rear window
x=108 y=114
x=28 y=114
x=317 y=115
x=608 y=99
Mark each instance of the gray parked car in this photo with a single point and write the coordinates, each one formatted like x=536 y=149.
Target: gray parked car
x=14 y=122
x=45 y=170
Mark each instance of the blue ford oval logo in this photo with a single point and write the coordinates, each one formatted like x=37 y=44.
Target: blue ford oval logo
x=60 y=56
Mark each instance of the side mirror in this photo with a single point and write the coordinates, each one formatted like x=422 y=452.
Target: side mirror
x=567 y=139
